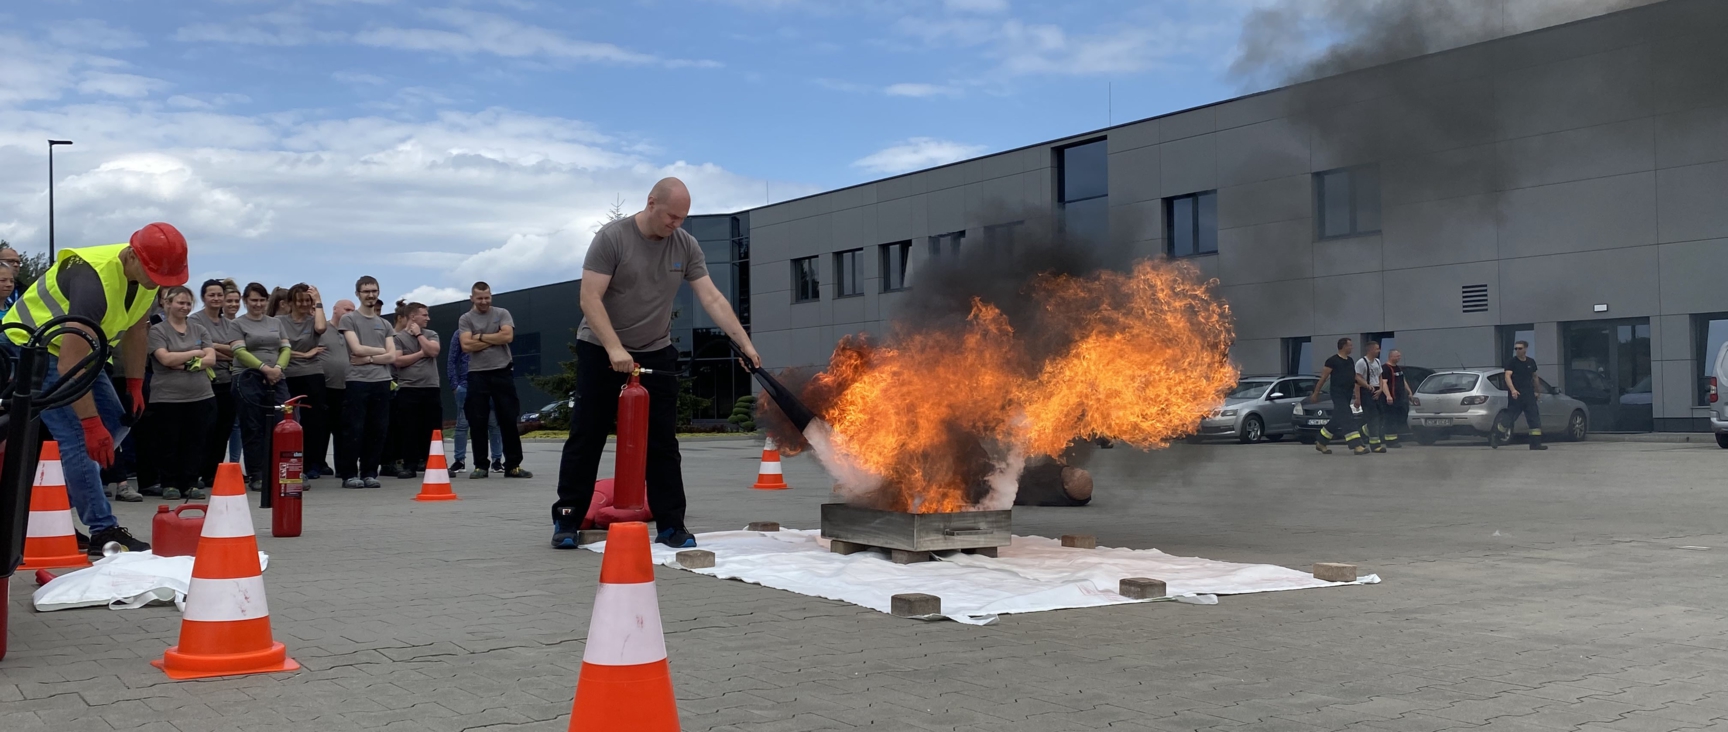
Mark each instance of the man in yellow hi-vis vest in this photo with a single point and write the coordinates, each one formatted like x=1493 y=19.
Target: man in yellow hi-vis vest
x=113 y=285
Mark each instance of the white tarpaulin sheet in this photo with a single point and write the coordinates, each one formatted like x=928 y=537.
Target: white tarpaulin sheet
x=122 y=582
x=1032 y=574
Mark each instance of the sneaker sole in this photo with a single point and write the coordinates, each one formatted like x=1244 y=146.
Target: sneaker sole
x=564 y=544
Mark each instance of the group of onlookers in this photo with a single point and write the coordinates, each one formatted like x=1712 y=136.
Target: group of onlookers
x=367 y=384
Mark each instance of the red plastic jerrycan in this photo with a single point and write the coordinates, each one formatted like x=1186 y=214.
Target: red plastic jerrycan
x=173 y=535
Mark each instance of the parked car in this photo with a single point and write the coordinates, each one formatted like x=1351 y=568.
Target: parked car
x=1718 y=401
x=1259 y=407
x=1309 y=418
x=1468 y=401
x=535 y=420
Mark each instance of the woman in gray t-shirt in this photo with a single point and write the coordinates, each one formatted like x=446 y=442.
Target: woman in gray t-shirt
x=261 y=354
x=181 y=399
x=303 y=325
x=418 y=408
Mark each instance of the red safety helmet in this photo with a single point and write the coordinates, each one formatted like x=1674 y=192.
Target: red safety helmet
x=162 y=250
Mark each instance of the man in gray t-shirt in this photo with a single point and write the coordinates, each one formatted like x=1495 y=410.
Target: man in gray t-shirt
x=632 y=273
x=366 y=405
x=485 y=333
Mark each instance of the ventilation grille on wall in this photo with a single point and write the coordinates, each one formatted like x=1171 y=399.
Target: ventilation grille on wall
x=1475 y=298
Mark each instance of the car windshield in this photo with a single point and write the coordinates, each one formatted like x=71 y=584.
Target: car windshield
x=1448 y=384
x=1249 y=390
x=1642 y=387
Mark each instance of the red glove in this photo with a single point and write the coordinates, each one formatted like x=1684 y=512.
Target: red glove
x=97 y=442
x=135 y=388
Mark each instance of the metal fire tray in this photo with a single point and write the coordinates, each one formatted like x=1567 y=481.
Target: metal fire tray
x=916 y=532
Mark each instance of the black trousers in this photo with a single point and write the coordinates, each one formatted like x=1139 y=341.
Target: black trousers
x=216 y=438
x=147 y=444
x=1527 y=405
x=414 y=413
x=185 y=435
x=314 y=414
x=366 y=411
x=1373 y=419
x=1344 y=425
x=596 y=414
x=338 y=424
x=495 y=390
x=256 y=399
x=1395 y=418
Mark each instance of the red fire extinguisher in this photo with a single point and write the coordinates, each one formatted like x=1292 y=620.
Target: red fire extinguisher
x=286 y=446
x=630 y=473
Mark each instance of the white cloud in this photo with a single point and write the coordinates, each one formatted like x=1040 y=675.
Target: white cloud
x=269 y=29
x=119 y=85
x=474 y=32
x=430 y=295
x=358 y=78
x=918 y=152
x=920 y=90
x=93 y=33
x=206 y=101
x=1018 y=48
x=978 y=6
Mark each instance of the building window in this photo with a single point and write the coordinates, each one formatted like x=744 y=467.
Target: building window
x=848 y=281
x=1347 y=202
x=1387 y=340
x=1709 y=334
x=893 y=259
x=946 y=245
x=806 y=286
x=1510 y=334
x=1191 y=224
x=525 y=354
x=1298 y=356
x=1083 y=189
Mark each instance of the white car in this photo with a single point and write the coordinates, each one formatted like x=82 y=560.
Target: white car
x=1719 y=401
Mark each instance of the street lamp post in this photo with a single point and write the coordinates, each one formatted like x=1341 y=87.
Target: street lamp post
x=51 y=144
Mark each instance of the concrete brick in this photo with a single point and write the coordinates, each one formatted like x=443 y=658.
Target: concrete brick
x=763 y=526
x=915 y=604
x=1331 y=572
x=1080 y=541
x=1141 y=588
x=695 y=559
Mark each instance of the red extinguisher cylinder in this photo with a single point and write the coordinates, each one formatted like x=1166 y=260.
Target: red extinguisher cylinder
x=630 y=475
x=285 y=484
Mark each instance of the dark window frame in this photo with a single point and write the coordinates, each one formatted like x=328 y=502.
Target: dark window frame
x=1062 y=170
x=806 y=280
x=842 y=273
x=1353 y=176
x=884 y=257
x=1506 y=335
x=1196 y=201
x=954 y=239
x=1701 y=357
x=1293 y=353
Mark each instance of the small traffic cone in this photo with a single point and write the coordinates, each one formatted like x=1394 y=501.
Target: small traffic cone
x=50 y=541
x=626 y=683
x=226 y=628
x=435 y=482
x=768 y=478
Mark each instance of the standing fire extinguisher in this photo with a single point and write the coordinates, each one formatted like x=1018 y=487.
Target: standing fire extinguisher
x=630 y=472
x=286 y=445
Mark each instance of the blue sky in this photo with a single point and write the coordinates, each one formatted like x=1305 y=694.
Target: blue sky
x=434 y=143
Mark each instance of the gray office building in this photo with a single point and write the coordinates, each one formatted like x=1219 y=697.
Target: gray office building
x=1567 y=186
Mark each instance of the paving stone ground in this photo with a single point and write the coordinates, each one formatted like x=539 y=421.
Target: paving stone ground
x=1523 y=591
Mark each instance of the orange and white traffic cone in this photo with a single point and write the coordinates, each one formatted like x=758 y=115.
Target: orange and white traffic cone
x=50 y=542
x=626 y=683
x=435 y=482
x=226 y=628
x=768 y=478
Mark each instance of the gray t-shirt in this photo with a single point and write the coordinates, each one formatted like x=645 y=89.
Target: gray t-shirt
x=372 y=331
x=645 y=277
x=335 y=358
x=422 y=373
x=301 y=337
x=263 y=338
x=494 y=319
x=176 y=385
x=221 y=331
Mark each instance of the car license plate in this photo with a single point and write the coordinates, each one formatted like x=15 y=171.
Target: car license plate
x=1437 y=422
x=1316 y=423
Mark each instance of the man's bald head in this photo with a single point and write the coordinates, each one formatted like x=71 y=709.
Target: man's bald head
x=668 y=205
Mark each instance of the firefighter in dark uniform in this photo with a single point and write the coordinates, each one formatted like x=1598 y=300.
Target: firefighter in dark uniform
x=1341 y=374
x=1371 y=396
x=1396 y=417
x=1521 y=388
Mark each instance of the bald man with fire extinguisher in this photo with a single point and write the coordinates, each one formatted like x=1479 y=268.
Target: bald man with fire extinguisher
x=630 y=277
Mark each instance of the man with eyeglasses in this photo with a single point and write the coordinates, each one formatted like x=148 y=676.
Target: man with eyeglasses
x=1521 y=388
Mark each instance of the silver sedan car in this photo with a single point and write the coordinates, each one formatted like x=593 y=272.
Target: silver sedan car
x=1259 y=406
x=1468 y=401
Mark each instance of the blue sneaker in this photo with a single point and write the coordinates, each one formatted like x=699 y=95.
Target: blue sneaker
x=563 y=536
x=677 y=538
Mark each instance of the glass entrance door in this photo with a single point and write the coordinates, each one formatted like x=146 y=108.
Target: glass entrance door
x=1607 y=366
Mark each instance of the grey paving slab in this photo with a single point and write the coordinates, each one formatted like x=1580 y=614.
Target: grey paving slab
x=1522 y=592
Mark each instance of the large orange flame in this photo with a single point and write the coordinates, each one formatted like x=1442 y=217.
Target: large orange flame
x=1136 y=356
